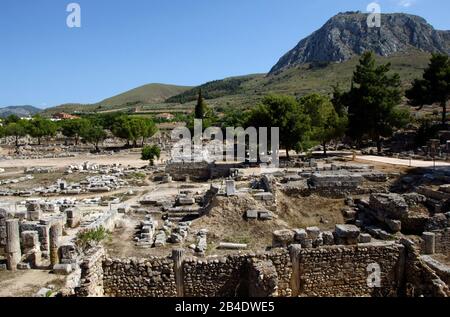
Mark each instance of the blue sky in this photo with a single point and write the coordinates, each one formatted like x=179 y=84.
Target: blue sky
x=123 y=44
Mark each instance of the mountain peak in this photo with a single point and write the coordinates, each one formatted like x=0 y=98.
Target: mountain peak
x=347 y=35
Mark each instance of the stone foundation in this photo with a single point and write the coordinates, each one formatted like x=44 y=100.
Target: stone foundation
x=327 y=271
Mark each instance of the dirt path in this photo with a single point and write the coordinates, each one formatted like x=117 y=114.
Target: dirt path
x=132 y=159
x=26 y=283
x=401 y=162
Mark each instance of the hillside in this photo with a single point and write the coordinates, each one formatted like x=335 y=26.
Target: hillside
x=325 y=59
x=151 y=93
x=299 y=80
x=347 y=35
x=21 y=111
x=138 y=97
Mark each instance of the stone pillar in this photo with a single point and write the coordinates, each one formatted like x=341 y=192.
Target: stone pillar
x=13 y=252
x=429 y=239
x=295 y=250
x=178 y=257
x=230 y=187
x=55 y=233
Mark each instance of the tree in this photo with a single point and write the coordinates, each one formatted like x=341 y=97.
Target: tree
x=201 y=109
x=326 y=124
x=285 y=113
x=150 y=153
x=434 y=87
x=122 y=129
x=17 y=130
x=12 y=118
x=339 y=102
x=94 y=134
x=40 y=127
x=150 y=129
x=372 y=102
x=2 y=131
x=73 y=128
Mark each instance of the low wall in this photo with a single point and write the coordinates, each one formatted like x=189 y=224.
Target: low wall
x=229 y=276
x=344 y=271
x=199 y=171
x=153 y=277
x=383 y=269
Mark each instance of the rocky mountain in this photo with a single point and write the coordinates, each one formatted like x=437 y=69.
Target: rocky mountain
x=347 y=35
x=21 y=111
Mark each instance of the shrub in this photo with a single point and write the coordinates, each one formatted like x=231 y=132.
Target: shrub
x=90 y=237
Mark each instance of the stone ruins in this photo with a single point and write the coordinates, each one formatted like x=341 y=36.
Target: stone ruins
x=313 y=227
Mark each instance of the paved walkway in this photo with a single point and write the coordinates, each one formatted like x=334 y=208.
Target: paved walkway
x=402 y=162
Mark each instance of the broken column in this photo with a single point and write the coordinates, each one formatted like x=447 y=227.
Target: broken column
x=55 y=233
x=73 y=217
x=429 y=240
x=13 y=252
x=295 y=251
x=178 y=256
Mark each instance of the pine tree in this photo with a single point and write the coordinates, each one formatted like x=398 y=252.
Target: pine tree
x=201 y=108
x=434 y=87
x=373 y=100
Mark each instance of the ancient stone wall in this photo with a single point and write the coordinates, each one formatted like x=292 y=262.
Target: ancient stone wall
x=344 y=271
x=224 y=277
x=420 y=279
x=442 y=241
x=91 y=283
x=3 y=215
x=152 y=277
x=194 y=170
x=339 y=270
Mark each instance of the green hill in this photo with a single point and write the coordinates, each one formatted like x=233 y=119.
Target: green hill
x=135 y=98
x=151 y=93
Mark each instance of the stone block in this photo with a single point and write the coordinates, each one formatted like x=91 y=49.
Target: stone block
x=34 y=215
x=251 y=214
x=347 y=231
x=328 y=238
x=30 y=239
x=265 y=215
x=313 y=232
x=391 y=205
x=160 y=239
x=23 y=266
x=365 y=238
x=300 y=234
x=283 y=238
x=62 y=269
x=394 y=225
x=263 y=196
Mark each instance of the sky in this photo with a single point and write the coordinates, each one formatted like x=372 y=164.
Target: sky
x=123 y=44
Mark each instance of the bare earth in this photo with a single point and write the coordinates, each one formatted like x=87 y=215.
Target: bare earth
x=26 y=283
x=132 y=159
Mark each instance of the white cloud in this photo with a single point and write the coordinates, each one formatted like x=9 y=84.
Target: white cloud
x=406 y=3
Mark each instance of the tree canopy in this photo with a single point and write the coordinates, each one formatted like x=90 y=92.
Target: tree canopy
x=372 y=101
x=285 y=113
x=434 y=87
x=326 y=124
x=150 y=153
